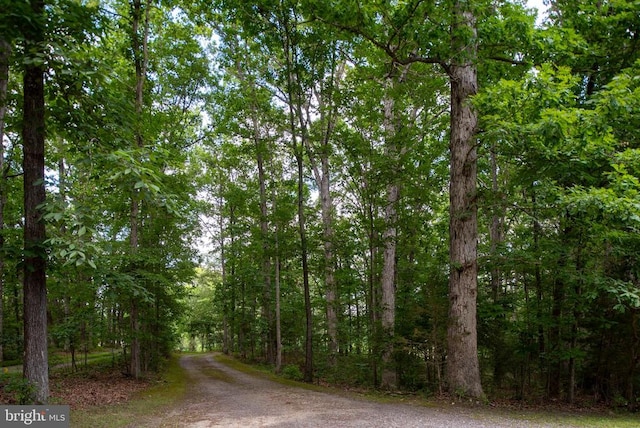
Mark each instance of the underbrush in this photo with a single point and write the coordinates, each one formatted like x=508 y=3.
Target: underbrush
x=14 y=389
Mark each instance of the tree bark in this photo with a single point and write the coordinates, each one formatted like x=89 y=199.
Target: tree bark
x=463 y=372
x=389 y=237
x=372 y=298
x=5 y=51
x=308 y=365
x=35 y=283
x=331 y=289
x=328 y=116
x=261 y=150
x=278 y=315
x=495 y=229
x=323 y=181
x=227 y=335
x=556 y=367
x=496 y=239
x=388 y=296
x=266 y=256
x=298 y=143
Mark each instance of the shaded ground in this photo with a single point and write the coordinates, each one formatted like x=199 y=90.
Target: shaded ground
x=97 y=383
x=219 y=396
x=98 y=388
x=83 y=389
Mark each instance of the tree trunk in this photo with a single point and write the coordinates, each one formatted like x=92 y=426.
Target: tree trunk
x=69 y=340
x=227 y=330
x=634 y=358
x=278 y=323
x=236 y=327
x=298 y=142
x=261 y=150
x=140 y=53
x=540 y=312
x=463 y=372
x=496 y=239
x=331 y=292
x=35 y=285
x=308 y=365
x=495 y=230
x=555 y=338
x=389 y=237
x=134 y=367
x=373 y=295
x=388 y=296
x=5 y=51
x=328 y=116
x=264 y=230
x=140 y=61
x=329 y=259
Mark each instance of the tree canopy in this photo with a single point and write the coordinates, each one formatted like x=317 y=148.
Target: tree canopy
x=421 y=195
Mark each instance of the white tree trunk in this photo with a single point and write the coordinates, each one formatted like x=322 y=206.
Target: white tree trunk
x=389 y=237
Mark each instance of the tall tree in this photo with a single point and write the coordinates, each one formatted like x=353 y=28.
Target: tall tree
x=388 y=277
x=262 y=150
x=459 y=61
x=36 y=368
x=5 y=51
x=140 y=38
x=390 y=234
x=463 y=371
x=299 y=139
x=326 y=93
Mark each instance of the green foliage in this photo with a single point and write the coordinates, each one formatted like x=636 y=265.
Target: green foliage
x=293 y=372
x=568 y=187
x=22 y=390
x=201 y=321
x=559 y=178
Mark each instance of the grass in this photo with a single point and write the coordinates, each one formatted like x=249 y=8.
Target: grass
x=617 y=421
x=561 y=418
x=58 y=360
x=148 y=403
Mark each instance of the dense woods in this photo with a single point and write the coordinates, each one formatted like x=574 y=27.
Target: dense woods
x=435 y=196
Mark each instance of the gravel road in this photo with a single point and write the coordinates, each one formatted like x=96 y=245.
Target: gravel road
x=219 y=396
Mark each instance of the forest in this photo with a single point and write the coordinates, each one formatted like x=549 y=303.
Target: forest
x=408 y=195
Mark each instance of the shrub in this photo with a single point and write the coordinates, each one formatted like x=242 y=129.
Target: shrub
x=292 y=371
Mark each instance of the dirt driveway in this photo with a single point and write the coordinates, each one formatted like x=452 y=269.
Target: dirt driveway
x=219 y=396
